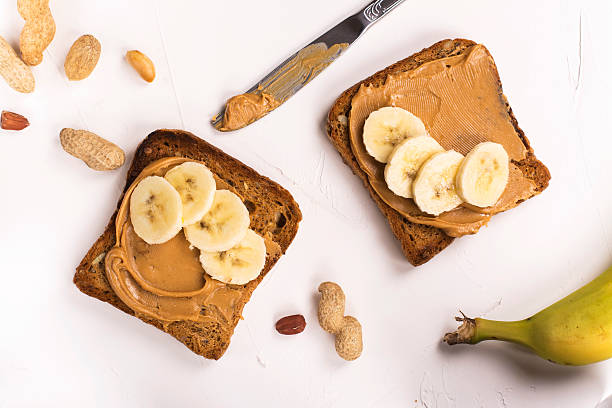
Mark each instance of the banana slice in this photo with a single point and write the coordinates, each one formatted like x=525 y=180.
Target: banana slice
x=483 y=175
x=156 y=210
x=387 y=127
x=196 y=186
x=405 y=161
x=238 y=265
x=434 y=186
x=223 y=226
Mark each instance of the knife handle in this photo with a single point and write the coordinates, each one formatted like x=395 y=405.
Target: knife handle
x=376 y=10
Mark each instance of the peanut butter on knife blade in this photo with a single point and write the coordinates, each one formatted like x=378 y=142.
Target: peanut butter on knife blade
x=242 y=110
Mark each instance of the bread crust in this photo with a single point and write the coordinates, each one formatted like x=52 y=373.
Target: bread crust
x=419 y=242
x=274 y=214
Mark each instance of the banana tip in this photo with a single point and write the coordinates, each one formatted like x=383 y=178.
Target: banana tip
x=464 y=333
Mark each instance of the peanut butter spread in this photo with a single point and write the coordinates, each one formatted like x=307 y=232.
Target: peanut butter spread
x=244 y=109
x=459 y=100
x=284 y=81
x=166 y=281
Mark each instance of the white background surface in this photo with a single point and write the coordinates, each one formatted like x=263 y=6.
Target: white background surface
x=59 y=347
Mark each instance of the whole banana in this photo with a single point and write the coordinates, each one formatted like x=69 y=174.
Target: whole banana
x=577 y=330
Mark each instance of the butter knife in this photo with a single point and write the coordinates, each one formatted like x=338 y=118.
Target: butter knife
x=299 y=69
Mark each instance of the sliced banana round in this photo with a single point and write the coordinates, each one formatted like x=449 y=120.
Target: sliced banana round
x=387 y=127
x=483 y=175
x=434 y=188
x=238 y=265
x=223 y=226
x=196 y=186
x=405 y=161
x=156 y=210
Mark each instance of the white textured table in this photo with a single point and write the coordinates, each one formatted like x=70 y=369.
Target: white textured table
x=61 y=348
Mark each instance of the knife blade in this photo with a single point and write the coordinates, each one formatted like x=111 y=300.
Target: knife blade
x=299 y=69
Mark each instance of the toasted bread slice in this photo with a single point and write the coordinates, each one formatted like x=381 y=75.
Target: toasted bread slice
x=419 y=243
x=273 y=212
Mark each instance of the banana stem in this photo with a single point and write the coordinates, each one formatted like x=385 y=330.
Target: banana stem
x=473 y=331
x=515 y=332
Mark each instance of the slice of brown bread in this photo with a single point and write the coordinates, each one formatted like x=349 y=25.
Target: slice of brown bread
x=419 y=243
x=273 y=211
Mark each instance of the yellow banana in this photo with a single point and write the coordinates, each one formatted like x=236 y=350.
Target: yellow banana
x=576 y=330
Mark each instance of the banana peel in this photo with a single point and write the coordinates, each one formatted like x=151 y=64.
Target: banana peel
x=576 y=330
